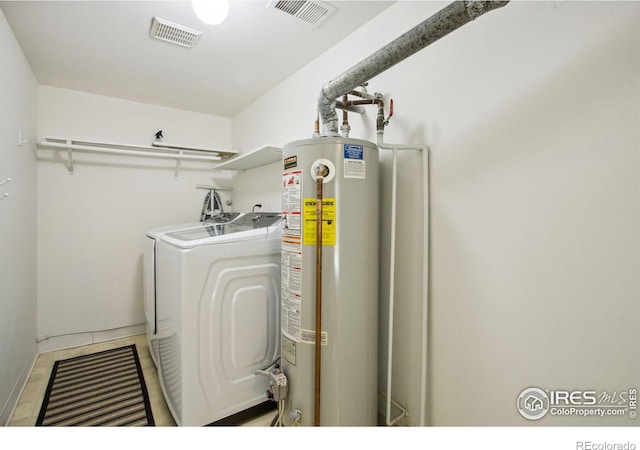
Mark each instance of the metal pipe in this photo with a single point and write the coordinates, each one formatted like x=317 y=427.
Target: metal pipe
x=316 y=126
x=392 y=280
x=345 y=117
x=350 y=107
x=364 y=102
x=439 y=25
x=318 y=343
x=425 y=286
x=362 y=94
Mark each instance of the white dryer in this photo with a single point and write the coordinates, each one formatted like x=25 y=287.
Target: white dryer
x=149 y=271
x=218 y=303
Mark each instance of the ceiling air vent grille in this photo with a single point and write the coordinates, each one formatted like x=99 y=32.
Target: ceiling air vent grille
x=313 y=13
x=172 y=32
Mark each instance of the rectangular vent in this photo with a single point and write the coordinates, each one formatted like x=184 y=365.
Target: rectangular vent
x=172 y=32
x=310 y=12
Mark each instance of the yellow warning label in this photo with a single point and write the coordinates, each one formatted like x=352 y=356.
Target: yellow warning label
x=328 y=221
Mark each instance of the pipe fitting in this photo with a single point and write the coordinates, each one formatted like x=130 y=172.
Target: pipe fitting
x=295 y=415
x=477 y=8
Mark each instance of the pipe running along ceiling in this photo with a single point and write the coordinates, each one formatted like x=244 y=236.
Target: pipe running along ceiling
x=440 y=24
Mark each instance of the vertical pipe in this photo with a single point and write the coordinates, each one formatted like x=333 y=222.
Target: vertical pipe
x=345 y=117
x=345 y=114
x=425 y=285
x=392 y=264
x=318 y=343
x=316 y=126
x=425 y=280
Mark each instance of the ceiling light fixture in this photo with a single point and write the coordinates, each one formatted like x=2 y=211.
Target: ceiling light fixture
x=211 y=12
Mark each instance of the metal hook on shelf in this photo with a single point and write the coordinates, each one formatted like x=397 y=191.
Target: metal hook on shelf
x=5 y=181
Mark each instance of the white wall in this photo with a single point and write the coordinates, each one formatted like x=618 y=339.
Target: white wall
x=18 y=91
x=532 y=117
x=92 y=223
x=258 y=186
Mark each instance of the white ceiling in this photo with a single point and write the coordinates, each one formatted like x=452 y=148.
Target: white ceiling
x=104 y=47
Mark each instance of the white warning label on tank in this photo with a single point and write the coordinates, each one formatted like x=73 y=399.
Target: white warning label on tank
x=291 y=203
x=355 y=168
x=291 y=270
x=291 y=222
x=290 y=315
x=309 y=337
x=288 y=349
x=291 y=255
x=291 y=191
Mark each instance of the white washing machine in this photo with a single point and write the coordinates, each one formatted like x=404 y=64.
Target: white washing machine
x=218 y=316
x=149 y=272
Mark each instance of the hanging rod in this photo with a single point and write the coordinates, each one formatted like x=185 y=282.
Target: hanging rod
x=154 y=151
x=213 y=188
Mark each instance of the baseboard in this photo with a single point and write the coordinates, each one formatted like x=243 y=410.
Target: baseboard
x=71 y=340
x=12 y=402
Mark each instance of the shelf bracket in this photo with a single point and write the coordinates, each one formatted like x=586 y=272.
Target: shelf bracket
x=6 y=194
x=178 y=163
x=70 y=154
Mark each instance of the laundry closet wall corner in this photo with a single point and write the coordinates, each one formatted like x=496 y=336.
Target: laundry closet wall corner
x=92 y=223
x=18 y=94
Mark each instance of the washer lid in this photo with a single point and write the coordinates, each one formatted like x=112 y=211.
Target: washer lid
x=249 y=226
x=258 y=219
x=223 y=217
x=154 y=233
x=210 y=231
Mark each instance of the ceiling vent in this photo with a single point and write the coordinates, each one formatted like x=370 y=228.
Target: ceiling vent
x=312 y=13
x=172 y=32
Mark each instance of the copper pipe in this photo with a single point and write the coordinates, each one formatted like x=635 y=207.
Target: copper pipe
x=372 y=101
x=357 y=93
x=316 y=130
x=318 y=343
x=351 y=108
x=380 y=120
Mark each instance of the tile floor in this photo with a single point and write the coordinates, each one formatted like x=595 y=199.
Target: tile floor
x=28 y=408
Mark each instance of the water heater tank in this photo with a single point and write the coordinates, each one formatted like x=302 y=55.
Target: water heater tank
x=349 y=369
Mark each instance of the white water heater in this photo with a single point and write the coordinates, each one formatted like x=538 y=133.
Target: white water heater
x=348 y=388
